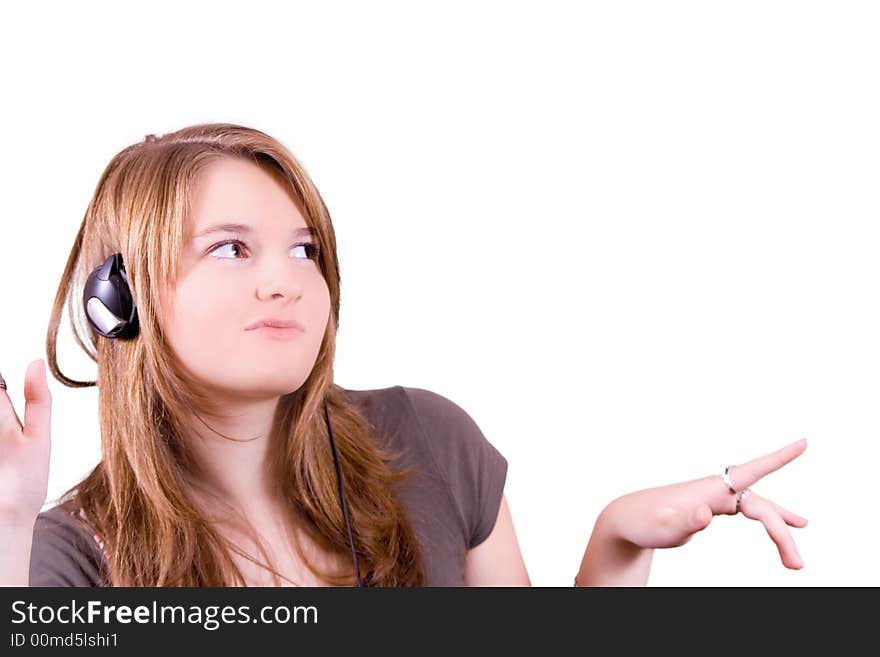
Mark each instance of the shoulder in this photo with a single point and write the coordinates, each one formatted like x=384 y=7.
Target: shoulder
x=446 y=429
x=474 y=469
x=453 y=435
x=449 y=441
x=64 y=552
x=432 y=412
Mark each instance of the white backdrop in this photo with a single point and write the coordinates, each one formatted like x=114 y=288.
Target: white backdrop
x=633 y=240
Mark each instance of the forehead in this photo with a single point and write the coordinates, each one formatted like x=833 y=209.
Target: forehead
x=231 y=190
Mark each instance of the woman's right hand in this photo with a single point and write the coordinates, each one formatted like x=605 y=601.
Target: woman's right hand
x=24 y=450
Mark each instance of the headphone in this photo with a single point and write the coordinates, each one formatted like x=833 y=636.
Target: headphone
x=112 y=312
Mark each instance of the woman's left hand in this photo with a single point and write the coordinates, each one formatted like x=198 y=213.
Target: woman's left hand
x=669 y=516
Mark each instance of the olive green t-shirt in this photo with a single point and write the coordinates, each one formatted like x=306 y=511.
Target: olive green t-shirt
x=452 y=501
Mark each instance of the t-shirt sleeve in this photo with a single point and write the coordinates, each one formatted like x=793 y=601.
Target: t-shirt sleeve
x=472 y=467
x=62 y=552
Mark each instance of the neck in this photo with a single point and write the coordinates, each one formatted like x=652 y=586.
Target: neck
x=232 y=452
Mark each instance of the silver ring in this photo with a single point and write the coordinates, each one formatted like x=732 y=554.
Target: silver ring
x=726 y=478
x=740 y=496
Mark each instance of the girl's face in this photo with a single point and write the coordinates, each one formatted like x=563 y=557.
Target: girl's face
x=231 y=278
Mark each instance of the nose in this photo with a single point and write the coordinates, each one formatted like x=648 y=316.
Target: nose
x=278 y=277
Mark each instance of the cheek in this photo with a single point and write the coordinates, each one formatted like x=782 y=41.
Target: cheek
x=313 y=311
x=206 y=332
x=200 y=325
x=198 y=308
x=321 y=307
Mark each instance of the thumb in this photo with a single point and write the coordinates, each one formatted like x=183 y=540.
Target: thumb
x=701 y=517
x=37 y=401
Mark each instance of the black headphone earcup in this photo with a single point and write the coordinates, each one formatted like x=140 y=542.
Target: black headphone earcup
x=108 y=302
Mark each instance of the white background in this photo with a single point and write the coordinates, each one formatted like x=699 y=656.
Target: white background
x=635 y=241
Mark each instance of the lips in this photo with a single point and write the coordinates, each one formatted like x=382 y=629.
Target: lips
x=275 y=323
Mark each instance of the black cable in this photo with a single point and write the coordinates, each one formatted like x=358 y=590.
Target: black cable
x=357 y=572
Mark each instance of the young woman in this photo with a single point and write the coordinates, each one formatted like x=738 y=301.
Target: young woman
x=205 y=285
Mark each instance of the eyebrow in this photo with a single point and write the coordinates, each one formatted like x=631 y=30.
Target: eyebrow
x=244 y=228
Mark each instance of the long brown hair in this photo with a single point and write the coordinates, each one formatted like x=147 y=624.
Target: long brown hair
x=142 y=497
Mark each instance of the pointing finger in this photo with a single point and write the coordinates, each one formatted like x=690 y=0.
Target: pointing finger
x=743 y=476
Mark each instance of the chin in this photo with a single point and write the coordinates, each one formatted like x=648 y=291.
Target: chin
x=249 y=386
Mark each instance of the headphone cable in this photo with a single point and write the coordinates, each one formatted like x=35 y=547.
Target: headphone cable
x=357 y=572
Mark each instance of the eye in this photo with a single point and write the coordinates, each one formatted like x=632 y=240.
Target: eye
x=235 y=243
x=311 y=250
